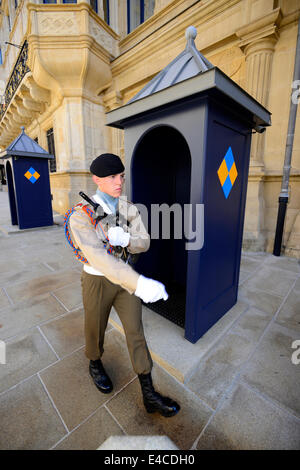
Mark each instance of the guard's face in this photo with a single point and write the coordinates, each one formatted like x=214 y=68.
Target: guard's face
x=111 y=185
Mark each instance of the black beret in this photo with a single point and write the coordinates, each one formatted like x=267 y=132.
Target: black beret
x=106 y=164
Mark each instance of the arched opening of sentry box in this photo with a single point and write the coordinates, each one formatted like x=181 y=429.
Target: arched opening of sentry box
x=11 y=195
x=161 y=182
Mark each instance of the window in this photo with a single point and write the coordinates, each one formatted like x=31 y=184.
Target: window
x=1 y=62
x=94 y=5
x=106 y=10
x=138 y=11
x=51 y=149
x=36 y=140
x=70 y=1
x=49 y=1
x=16 y=4
x=105 y=7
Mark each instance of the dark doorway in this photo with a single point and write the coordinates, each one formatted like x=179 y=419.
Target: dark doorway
x=2 y=175
x=11 y=195
x=161 y=174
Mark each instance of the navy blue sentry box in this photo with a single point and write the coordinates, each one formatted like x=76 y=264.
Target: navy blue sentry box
x=27 y=172
x=187 y=141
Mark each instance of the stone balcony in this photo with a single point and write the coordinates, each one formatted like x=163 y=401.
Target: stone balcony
x=66 y=52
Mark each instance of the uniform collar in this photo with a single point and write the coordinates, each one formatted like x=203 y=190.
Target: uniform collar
x=108 y=203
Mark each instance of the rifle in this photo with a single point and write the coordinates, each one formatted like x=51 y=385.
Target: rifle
x=100 y=214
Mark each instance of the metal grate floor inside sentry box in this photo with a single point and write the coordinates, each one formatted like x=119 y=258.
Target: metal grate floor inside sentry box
x=174 y=308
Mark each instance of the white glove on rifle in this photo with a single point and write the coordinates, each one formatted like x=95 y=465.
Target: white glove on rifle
x=150 y=290
x=117 y=236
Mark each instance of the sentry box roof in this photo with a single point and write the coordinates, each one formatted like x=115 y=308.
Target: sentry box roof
x=189 y=74
x=24 y=146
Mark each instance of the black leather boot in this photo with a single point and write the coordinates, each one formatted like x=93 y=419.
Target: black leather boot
x=101 y=379
x=153 y=401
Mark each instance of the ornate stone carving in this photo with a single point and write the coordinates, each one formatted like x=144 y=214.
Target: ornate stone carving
x=37 y=93
x=21 y=109
x=57 y=24
x=112 y=100
x=102 y=37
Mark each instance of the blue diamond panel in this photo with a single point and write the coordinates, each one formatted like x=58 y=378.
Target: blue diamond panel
x=229 y=159
x=227 y=186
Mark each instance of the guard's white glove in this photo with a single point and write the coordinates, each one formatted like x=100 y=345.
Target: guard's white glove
x=150 y=290
x=117 y=236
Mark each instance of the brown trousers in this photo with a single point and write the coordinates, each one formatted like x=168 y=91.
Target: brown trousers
x=99 y=295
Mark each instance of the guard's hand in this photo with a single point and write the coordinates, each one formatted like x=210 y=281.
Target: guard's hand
x=150 y=290
x=117 y=237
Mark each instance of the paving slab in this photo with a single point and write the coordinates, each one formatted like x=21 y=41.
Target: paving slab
x=219 y=366
x=244 y=275
x=92 y=433
x=25 y=355
x=17 y=318
x=271 y=370
x=52 y=252
x=169 y=347
x=66 y=333
x=9 y=243
x=73 y=390
x=273 y=280
x=264 y=301
x=250 y=263
x=10 y=265
x=283 y=262
x=62 y=263
x=297 y=284
x=247 y=421
x=26 y=290
x=70 y=296
x=4 y=301
x=183 y=428
x=289 y=313
x=9 y=229
x=28 y=419
x=17 y=275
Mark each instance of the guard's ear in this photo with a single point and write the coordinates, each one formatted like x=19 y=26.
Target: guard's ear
x=96 y=179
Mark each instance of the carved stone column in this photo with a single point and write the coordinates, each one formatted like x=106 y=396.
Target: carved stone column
x=257 y=41
x=259 y=56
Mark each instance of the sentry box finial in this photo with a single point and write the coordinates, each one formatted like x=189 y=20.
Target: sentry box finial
x=190 y=33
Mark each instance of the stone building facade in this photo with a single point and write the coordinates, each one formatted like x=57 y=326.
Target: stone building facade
x=65 y=63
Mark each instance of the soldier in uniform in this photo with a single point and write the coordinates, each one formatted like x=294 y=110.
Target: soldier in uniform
x=108 y=279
